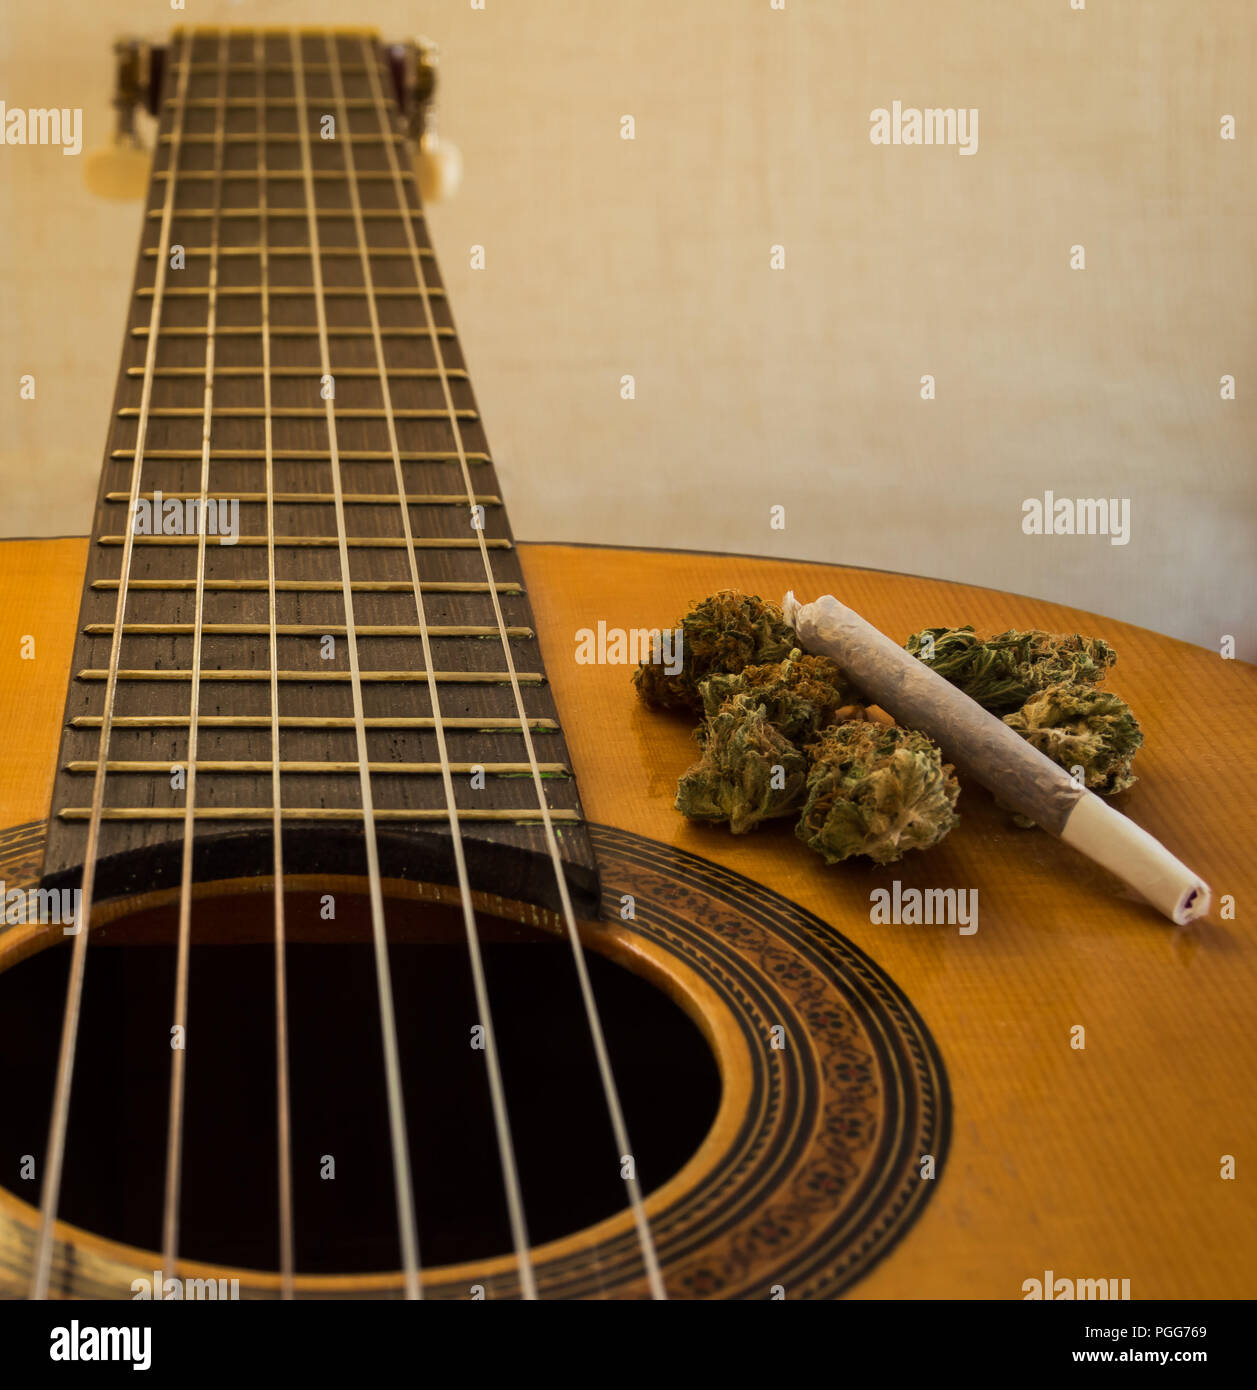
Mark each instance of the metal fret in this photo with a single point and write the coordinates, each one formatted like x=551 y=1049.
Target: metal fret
x=250 y=765
x=250 y=412
x=295 y=813
x=282 y=137
x=282 y=103
x=406 y=677
x=249 y=373
x=241 y=175
x=303 y=630
x=321 y=586
x=485 y=723
x=310 y=455
x=303 y=331
x=375 y=214
x=276 y=69
x=371 y=499
x=324 y=542
x=151 y=251
x=329 y=292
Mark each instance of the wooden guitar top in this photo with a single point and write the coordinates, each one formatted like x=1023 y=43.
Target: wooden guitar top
x=1101 y=1161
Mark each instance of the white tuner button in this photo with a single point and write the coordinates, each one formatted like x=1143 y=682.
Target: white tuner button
x=118 y=171
x=439 y=168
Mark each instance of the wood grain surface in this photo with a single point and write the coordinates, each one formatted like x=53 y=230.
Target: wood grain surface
x=1097 y=1163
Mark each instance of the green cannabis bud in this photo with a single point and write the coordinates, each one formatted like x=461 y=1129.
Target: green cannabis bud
x=748 y=772
x=1077 y=725
x=723 y=633
x=800 y=695
x=876 y=791
x=1004 y=671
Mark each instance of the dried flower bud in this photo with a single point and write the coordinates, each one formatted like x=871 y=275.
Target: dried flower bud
x=1004 y=671
x=748 y=772
x=800 y=695
x=1077 y=725
x=722 y=633
x=876 y=791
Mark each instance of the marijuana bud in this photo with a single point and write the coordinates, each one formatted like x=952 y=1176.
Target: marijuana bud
x=748 y=772
x=723 y=633
x=1077 y=725
x=876 y=791
x=1004 y=671
x=799 y=696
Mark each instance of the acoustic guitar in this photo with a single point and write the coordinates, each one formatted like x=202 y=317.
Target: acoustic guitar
x=352 y=945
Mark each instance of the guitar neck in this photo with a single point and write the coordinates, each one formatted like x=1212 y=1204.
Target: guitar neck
x=300 y=562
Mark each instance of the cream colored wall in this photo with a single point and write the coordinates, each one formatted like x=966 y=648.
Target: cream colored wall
x=759 y=388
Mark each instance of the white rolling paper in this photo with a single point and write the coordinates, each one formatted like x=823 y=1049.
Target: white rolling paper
x=983 y=747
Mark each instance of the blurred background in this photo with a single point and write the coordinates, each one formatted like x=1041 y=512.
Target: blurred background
x=760 y=388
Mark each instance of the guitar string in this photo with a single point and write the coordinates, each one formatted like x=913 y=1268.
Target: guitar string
x=61 y=1100
x=287 y=1259
x=179 y=1054
x=59 y=1121
x=501 y=1121
x=402 y=1177
x=645 y=1237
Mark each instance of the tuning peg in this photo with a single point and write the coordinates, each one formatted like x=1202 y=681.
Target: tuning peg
x=438 y=167
x=117 y=171
x=120 y=170
x=438 y=162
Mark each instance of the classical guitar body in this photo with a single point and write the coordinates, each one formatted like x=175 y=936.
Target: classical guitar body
x=394 y=972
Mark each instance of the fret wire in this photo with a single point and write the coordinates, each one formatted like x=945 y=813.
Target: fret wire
x=323 y=542
x=55 y=1151
x=255 y=765
x=650 y=1256
x=311 y=455
x=487 y=723
x=402 y=1176
x=248 y=412
x=241 y=175
x=294 y=291
x=413 y=499
x=287 y=1241
x=250 y=372
x=239 y=66
x=278 y=137
x=354 y=813
x=287 y=331
x=303 y=630
x=178 y=1055
x=285 y=251
x=320 y=586
x=280 y=103
x=237 y=214
x=409 y=677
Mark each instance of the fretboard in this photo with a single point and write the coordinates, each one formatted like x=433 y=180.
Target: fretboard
x=292 y=385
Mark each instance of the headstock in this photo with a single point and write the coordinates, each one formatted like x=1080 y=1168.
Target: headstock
x=438 y=163
x=120 y=170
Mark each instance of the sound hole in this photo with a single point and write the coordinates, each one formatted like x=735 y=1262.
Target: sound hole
x=343 y=1188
